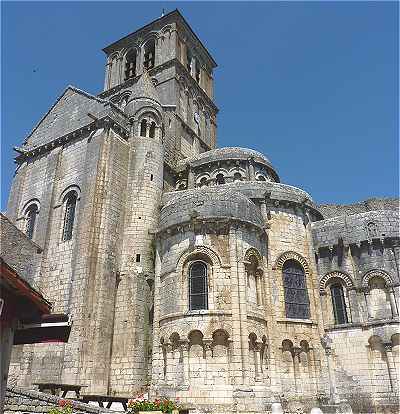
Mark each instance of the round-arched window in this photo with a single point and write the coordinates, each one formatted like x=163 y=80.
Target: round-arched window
x=237 y=177
x=338 y=304
x=31 y=214
x=69 y=216
x=297 y=304
x=220 y=179
x=198 y=292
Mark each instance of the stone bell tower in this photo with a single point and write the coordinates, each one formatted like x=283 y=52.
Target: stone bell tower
x=181 y=70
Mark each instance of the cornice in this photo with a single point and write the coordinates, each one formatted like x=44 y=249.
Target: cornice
x=107 y=120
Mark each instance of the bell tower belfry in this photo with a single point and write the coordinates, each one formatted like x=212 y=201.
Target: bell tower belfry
x=181 y=70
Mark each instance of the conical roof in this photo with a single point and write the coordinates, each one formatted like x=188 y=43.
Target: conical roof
x=144 y=88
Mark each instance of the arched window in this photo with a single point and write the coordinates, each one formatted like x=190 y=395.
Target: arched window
x=69 y=217
x=152 y=131
x=149 y=53
x=130 y=65
x=203 y=182
x=220 y=179
x=143 y=128
x=295 y=288
x=31 y=213
x=198 y=298
x=260 y=177
x=338 y=304
x=237 y=177
x=372 y=230
x=189 y=59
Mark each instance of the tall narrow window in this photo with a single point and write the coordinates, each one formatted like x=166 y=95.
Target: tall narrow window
x=31 y=214
x=198 y=286
x=189 y=59
x=152 y=131
x=339 y=304
x=143 y=128
x=69 y=218
x=197 y=71
x=149 y=53
x=130 y=65
x=220 y=179
x=295 y=288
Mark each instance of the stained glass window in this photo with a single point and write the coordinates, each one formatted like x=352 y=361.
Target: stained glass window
x=297 y=304
x=339 y=304
x=198 y=286
x=31 y=220
x=69 y=218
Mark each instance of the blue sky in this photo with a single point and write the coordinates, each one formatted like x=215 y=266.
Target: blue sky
x=313 y=85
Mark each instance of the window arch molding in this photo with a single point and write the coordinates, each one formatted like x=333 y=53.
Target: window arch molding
x=202 y=180
x=29 y=204
x=376 y=273
x=291 y=255
x=252 y=252
x=69 y=189
x=328 y=278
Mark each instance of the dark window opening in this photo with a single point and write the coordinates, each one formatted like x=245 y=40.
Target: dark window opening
x=261 y=178
x=198 y=298
x=130 y=65
x=220 y=179
x=143 y=128
x=189 y=58
x=151 y=177
x=197 y=71
x=152 y=131
x=203 y=182
x=69 y=218
x=149 y=53
x=295 y=289
x=237 y=177
x=338 y=304
x=138 y=258
x=31 y=220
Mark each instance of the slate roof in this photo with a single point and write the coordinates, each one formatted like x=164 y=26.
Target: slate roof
x=353 y=229
x=69 y=113
x=211 y=202
x=144 y=88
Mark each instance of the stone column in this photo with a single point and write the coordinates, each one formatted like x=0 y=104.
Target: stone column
x=107 y=76
x=391 y=367
x=185 y=353
x=393 y=304
x=258 y=295
x=263 y=207
x=326 y=342
x=209 y=368
x=168 y=362
x=258 y=367
x=190 y=179
x=354 y=307
x=368 y=303
x=240 y=349
x=295 y=357
x=252 y=174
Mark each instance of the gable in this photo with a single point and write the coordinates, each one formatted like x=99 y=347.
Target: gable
x=69 y=113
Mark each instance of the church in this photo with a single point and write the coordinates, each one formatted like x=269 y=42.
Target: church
x=189 y=270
